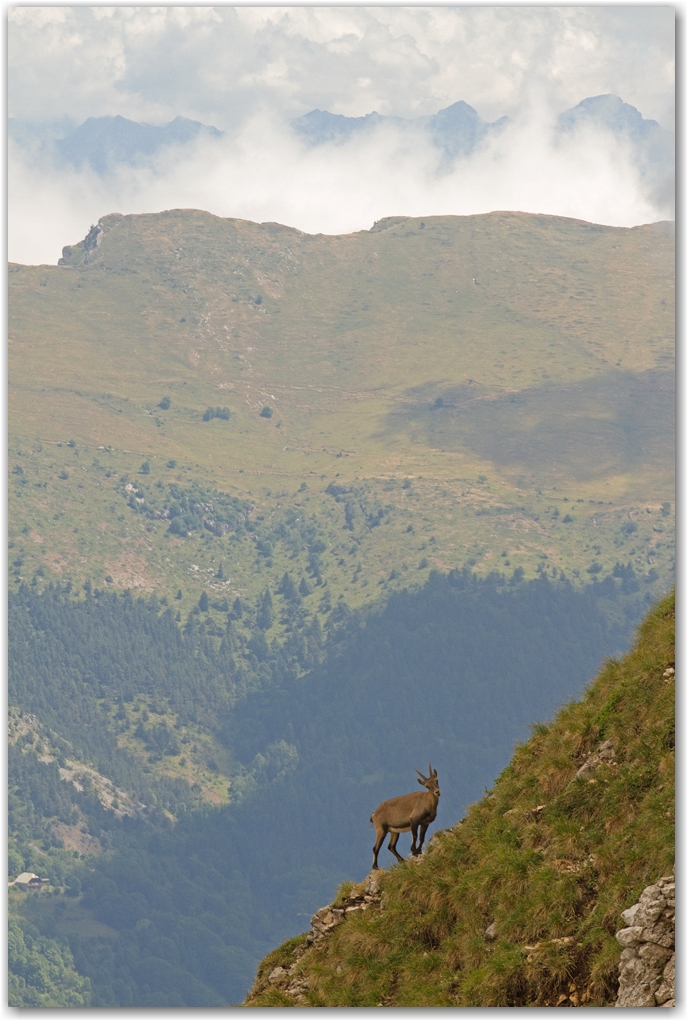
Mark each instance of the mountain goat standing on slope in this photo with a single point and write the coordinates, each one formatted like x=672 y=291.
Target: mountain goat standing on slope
x=408 y=813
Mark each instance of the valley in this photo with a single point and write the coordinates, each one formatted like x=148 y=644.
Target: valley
x=275 y=499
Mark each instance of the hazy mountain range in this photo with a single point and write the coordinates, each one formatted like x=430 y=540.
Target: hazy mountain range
x=457 y=130
x=105 y=143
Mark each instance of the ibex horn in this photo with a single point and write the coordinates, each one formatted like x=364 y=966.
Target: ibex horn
x=420 y=774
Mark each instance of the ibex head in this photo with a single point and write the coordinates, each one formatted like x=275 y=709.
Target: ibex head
x=430 y=782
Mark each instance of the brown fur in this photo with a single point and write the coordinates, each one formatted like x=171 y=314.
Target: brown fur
x=407 y=813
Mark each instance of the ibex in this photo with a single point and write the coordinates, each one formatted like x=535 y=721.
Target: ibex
x=408 y=813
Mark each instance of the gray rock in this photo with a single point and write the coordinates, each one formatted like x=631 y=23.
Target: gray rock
x=667 y=887
x=491 y=932
x=638 y=983
x=654 y=956
x=651 y=905
x=647 y=962
x=373 y=882
x=662 y=934
x=628 y=915
x=629 y=936
x=666 y=991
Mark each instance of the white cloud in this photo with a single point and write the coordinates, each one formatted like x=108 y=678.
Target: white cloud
x=248 y=70
x=217 y=64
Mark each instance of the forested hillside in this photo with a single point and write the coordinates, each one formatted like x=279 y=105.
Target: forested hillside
x=126 y=728
x=518 y=903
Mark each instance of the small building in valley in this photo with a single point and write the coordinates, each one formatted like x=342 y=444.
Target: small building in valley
x=28 y=882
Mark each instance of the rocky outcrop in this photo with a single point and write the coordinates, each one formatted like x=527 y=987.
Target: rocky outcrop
x=647 y=962
x=291 y=980
x=361 y=897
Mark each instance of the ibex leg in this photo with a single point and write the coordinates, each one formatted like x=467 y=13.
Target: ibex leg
x=423 y=830
x=413 y=846
x=381 y=835
x=393 y=840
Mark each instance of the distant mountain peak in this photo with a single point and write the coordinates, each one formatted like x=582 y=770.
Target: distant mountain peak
x=611 y=112
x=653 y=147
x=102 y=142
x=457 y=129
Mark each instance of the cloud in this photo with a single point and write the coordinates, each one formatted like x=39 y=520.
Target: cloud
x=248 y=70
x=266 y=173
x=220 y=65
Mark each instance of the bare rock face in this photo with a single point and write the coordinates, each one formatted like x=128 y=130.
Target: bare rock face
x=647 y=962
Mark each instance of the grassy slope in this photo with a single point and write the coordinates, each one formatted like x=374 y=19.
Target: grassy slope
x=551 y=859
x=548 y=341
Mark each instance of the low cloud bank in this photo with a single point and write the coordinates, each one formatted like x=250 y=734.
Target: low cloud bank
x=266 y=173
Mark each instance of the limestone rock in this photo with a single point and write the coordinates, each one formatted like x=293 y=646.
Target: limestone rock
x=666 y=990
x=647 y=962
x=373 y=882
x=629 y=936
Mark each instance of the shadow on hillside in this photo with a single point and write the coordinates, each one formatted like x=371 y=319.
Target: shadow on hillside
x=610 y=424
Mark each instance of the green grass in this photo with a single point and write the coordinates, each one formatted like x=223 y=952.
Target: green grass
x=551 y=859
x=554 y=367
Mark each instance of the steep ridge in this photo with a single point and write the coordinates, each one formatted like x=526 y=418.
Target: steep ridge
x=518 y=904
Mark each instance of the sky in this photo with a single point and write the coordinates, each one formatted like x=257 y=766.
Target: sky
x=250 y=70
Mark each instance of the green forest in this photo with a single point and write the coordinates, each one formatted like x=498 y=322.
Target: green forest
x=158 y=897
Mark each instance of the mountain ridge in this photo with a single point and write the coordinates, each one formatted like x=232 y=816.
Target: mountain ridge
x=107 y=141
x=422 y=368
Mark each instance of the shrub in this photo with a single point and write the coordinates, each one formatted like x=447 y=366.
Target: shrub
x=217 y=412
x=266 y=412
